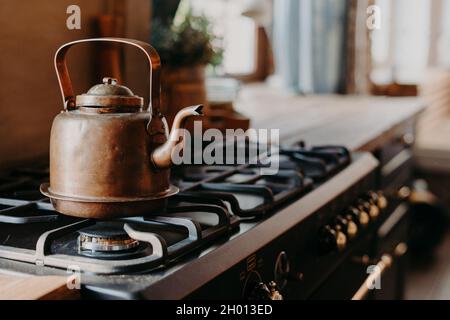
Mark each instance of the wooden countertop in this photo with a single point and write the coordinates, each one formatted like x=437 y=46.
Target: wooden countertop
x=357 y=122
x=28 y=287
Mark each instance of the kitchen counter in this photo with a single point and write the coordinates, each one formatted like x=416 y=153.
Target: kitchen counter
x=357 y=122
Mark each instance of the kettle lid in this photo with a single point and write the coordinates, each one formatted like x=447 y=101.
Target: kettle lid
x=109 y=94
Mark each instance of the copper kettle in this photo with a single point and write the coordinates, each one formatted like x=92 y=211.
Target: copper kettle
x=109 y=155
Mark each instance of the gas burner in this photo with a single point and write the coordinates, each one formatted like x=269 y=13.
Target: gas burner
x=105 y=237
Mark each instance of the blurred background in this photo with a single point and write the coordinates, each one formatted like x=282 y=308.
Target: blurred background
x=211 y=49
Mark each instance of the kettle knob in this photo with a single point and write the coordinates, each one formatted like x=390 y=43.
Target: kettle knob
x=108 y=80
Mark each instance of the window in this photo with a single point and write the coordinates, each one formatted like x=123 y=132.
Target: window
x=443 y=41
x=238 y=33
x=400 y=48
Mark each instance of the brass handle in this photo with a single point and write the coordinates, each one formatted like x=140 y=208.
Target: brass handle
x=153 y=59
x=381 y=267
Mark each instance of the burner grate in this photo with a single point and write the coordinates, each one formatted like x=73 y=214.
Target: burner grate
x=23 y=183
x=318 y=163
x=161 y=239
x=21 y=212
x=213 y=202
x=247 y=192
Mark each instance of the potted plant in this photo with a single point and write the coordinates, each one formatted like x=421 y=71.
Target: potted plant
x=186 y=46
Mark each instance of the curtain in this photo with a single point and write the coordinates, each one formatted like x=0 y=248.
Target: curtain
x=309 y=44
x=443 y=45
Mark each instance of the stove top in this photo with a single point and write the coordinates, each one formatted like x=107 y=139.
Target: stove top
x=216 y=203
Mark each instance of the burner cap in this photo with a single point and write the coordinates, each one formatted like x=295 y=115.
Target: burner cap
x=105 y=237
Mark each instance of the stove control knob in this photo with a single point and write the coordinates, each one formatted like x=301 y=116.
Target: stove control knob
x=360 y=217
x=341 y=240
x=378 y=199
x=374 y=211
x=348 y=226
x=371 y=209
x=283 y=272
x=331 y=239
x=260 y=292
x=274 y=293
x=265 y=292
x=382 y=202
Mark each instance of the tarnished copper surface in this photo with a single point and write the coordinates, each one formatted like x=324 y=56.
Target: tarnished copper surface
x=107 y=208
x=108 y=160
x=109 y=94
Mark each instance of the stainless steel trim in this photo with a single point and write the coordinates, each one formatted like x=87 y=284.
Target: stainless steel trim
x=399 y=160
x=392 y=220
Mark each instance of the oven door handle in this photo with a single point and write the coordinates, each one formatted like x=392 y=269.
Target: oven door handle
x=380 y=268
x=382 y=265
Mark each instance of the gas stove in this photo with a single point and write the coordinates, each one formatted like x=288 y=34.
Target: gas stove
x=232 y=231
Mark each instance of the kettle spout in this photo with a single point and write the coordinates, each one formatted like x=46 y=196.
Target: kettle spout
x=162 y=156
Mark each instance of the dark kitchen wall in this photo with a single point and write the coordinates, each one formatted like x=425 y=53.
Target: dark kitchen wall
x=30 y=33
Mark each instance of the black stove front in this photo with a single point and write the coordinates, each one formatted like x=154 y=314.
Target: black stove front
x=232 y=231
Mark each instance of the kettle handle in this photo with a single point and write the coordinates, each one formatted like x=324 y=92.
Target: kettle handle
x=154 y=61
